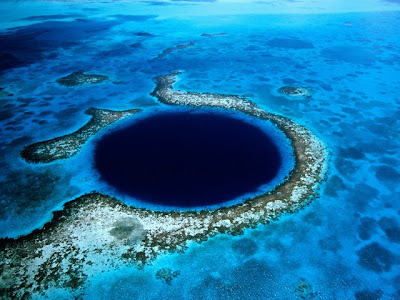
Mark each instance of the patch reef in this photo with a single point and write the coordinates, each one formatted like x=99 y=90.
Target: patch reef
x=96 y=233
x=80 y=78
x=296 y=91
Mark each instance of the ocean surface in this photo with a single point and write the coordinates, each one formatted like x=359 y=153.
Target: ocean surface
x=344 y=245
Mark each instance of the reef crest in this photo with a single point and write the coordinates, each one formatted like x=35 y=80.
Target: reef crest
x=68 y=145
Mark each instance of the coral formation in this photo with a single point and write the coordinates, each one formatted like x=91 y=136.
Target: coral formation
x=166 y=275
x=172 y=49
x=304 y=290
x=70 y=144
x=4 y=93
x=96 y=232
x=296 y=91
x=80 y=78
x=212 y=34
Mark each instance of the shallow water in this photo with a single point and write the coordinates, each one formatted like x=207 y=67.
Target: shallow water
x=345 y=244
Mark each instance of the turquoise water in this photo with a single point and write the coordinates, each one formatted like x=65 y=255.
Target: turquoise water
x=345 y=244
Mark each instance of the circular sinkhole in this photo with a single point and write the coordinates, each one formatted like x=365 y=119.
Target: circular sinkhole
x=189 y=159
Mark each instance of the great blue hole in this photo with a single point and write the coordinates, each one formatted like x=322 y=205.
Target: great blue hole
x=186 y=159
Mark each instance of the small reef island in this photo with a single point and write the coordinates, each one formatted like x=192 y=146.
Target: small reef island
x=96 y=233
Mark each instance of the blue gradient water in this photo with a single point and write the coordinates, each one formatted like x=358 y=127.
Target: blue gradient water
x=345 y=244
x=190 y=158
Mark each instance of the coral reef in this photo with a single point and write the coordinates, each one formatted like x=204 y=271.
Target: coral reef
x=166 y=275
x=70 y=144
x=289 y=43
x=296 y=91
x=4 y=93
x=129 y=230
x=212 y=34
x=167 y=95
x=304 y=290
x=377 y=258
x=172 y=49
x=146 y=34
x=95 y=233
x=80 y=78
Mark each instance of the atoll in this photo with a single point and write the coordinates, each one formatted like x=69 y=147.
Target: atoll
x=70 y=144
x=95 y=232
x=296 y=91
x=80 y=78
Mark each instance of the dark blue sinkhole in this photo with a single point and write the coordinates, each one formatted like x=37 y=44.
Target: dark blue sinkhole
x=187 y=159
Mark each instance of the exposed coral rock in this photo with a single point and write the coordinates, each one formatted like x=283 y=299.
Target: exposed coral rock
x=80 y=78
x=166 y=94
x=70 y=144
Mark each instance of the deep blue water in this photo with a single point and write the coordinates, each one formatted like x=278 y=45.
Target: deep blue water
x=187 y=159
x=345 y=243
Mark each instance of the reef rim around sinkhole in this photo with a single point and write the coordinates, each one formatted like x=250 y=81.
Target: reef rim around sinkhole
x=177 y=159
x=98 y=232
